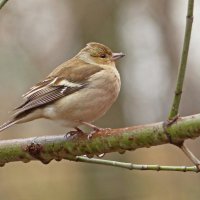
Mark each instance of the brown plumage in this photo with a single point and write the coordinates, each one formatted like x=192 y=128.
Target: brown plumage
x=66 y=94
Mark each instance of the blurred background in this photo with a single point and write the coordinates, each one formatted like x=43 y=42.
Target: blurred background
x=36 y=36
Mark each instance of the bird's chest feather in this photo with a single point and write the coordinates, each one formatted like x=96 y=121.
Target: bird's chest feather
x=105 y=85
x=91 y=102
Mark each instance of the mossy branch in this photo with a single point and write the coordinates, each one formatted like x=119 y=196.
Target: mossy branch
x=176 y=131
x=47 y=148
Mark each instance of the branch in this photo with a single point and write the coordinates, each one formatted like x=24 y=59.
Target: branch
x=131 y=166
x=183 y=62
x=2 y=3
x=173 y=115
x=60 y=147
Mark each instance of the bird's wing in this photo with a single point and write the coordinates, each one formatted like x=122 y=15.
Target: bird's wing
x=47 y=93
x=72 y=79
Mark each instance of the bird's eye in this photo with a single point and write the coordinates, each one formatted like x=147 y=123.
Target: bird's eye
x=103 y=55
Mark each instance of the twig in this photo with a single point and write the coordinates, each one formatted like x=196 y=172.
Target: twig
x=181 y=75
x=2 y=3
x=190 y=155
x=183 y=62
x=131 y=166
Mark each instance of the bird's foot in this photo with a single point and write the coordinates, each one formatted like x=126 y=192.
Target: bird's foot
x=94 y=131
x=78 y=131
x=94 y=128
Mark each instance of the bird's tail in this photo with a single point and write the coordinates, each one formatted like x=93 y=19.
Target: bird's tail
x=8 y=124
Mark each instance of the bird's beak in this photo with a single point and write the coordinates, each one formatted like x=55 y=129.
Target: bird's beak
x=116 y=56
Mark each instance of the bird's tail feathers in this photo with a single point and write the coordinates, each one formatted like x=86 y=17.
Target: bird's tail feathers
x=8 y=124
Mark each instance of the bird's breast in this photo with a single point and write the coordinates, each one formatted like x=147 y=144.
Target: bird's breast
x=91 y=102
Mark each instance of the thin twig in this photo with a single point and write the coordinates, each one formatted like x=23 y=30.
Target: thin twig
x=2 y=3
x=132 y=166
x=190 y=155
x=183 y=61
x=181 y=75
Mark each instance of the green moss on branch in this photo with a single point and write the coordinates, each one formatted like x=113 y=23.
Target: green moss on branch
x=115 y=140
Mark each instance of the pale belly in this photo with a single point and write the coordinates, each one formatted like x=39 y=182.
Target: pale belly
x=85 y=106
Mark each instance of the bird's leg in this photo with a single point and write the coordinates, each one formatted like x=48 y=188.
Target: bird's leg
x=79 y=130
x=95 y=129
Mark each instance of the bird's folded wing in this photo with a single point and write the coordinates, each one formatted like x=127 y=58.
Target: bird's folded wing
x=47 y=93
x=56 y=87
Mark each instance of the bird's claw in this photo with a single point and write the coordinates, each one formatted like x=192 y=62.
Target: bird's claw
x=74 y=133
x=96 y=130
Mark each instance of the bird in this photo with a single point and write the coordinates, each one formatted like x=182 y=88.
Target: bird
x=77 y=92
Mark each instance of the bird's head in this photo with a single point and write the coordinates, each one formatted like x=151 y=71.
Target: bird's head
x=96 y=53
